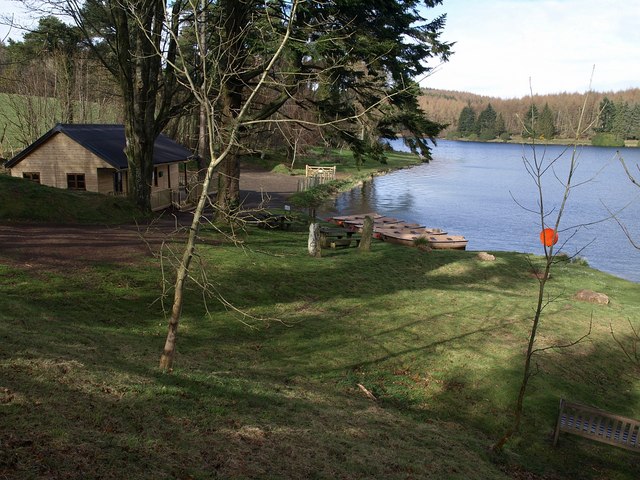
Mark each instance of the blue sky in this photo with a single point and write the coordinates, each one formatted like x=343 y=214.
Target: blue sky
x=503 y=44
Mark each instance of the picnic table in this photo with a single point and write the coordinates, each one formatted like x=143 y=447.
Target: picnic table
x=338 y=237
x=269 y=220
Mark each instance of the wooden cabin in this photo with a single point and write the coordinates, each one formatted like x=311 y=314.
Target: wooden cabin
x=91 y=157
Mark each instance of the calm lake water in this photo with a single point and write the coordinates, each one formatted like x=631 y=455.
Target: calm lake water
x=483 y=191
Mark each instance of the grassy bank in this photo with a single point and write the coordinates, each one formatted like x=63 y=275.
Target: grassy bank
x=436 y=337
x=21 y=200
x=342 y=159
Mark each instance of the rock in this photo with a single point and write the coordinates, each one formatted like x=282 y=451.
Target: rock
x=485 y=257
x=592 y=297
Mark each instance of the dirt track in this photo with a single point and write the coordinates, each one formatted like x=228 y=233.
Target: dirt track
x=61 y=247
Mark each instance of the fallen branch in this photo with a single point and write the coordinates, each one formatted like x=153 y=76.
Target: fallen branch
x=367 y=392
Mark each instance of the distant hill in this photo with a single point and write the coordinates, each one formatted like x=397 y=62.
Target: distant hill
x=445 y=106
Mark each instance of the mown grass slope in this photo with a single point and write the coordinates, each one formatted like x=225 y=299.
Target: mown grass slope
x=22 y=200
x=272 y=390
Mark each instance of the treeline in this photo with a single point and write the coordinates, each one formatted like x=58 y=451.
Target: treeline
x=50 y=77
x=543 y=116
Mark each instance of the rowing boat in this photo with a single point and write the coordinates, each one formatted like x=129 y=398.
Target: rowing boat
x=447 y=242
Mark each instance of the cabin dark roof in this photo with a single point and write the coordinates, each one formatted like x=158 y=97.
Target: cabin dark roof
x=108 y=142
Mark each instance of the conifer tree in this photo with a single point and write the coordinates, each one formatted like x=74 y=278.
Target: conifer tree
x=486 y=125
x=606 y=116
x=546 y=123
x=467 y=121
x=501 y=128
x=622 y=121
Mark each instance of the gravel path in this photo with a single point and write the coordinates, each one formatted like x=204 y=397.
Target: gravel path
x=65 y=247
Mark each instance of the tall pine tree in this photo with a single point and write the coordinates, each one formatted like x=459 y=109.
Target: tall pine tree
x=607 y=113
x=467 y=121
x=486 y=125
x=546 y=123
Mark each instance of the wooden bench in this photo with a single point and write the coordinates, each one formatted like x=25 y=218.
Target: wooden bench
x=597 y=425
x=337 y=237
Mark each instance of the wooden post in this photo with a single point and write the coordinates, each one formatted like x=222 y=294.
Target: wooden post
x=367 y=233
x=314 y=240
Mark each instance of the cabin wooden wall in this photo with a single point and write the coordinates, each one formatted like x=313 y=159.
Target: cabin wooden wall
x=59 y=156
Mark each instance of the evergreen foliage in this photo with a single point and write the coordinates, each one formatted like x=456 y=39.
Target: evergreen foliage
x=606 y=116
x=486 y=126
x=546 y=123
x=602 y=139
x=446 y=106
x=467 y=121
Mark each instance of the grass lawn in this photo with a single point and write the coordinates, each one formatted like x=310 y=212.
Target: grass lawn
x=21 y=200
x=274 y=392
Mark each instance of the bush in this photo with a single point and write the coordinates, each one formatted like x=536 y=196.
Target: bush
x=486 y=136
x=453 y=135
x=607 y=140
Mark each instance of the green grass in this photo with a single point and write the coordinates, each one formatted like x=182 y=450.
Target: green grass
x=341 y=158
x=22 y=200
x=437 y=337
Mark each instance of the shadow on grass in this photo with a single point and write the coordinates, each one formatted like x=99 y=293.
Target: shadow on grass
x=438 y=338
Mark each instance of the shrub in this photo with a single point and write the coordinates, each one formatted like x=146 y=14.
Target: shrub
x=607 y=140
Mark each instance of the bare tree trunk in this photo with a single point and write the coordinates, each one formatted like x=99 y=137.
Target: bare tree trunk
x=168 y=352
x=203 y=143
x=228 y=194
x=517 y=414
x=140 y=159
x=537 y=169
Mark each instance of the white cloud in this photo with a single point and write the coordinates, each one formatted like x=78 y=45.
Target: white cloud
x=501 y=44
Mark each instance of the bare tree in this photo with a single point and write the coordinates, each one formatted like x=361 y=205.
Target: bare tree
x=54 y=88
x=202 y=90
x=539 y=167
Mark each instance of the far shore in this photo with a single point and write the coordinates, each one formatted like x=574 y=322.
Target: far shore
x=551 y=141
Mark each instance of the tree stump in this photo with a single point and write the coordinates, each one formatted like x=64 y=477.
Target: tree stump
x=313 y=244
x=367 y=234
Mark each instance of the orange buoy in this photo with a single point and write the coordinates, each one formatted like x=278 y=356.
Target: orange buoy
x=548 y=237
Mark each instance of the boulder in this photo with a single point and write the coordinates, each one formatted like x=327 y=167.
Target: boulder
x=592 y=297
x=485 y=257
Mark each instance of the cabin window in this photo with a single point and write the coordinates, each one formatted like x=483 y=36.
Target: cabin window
x=33 y=176
x=75 y=181
x=155 y=177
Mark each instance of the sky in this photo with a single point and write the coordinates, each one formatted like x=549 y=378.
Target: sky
x=510 y=48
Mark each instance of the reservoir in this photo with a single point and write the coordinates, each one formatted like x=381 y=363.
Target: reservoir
x=484 y=192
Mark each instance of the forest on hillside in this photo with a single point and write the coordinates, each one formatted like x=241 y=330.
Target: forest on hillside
x=75 y=71
x=52 y=77
x=613 y=115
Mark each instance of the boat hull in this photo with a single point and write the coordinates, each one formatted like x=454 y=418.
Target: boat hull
x=392 y=230
x=447 y=242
